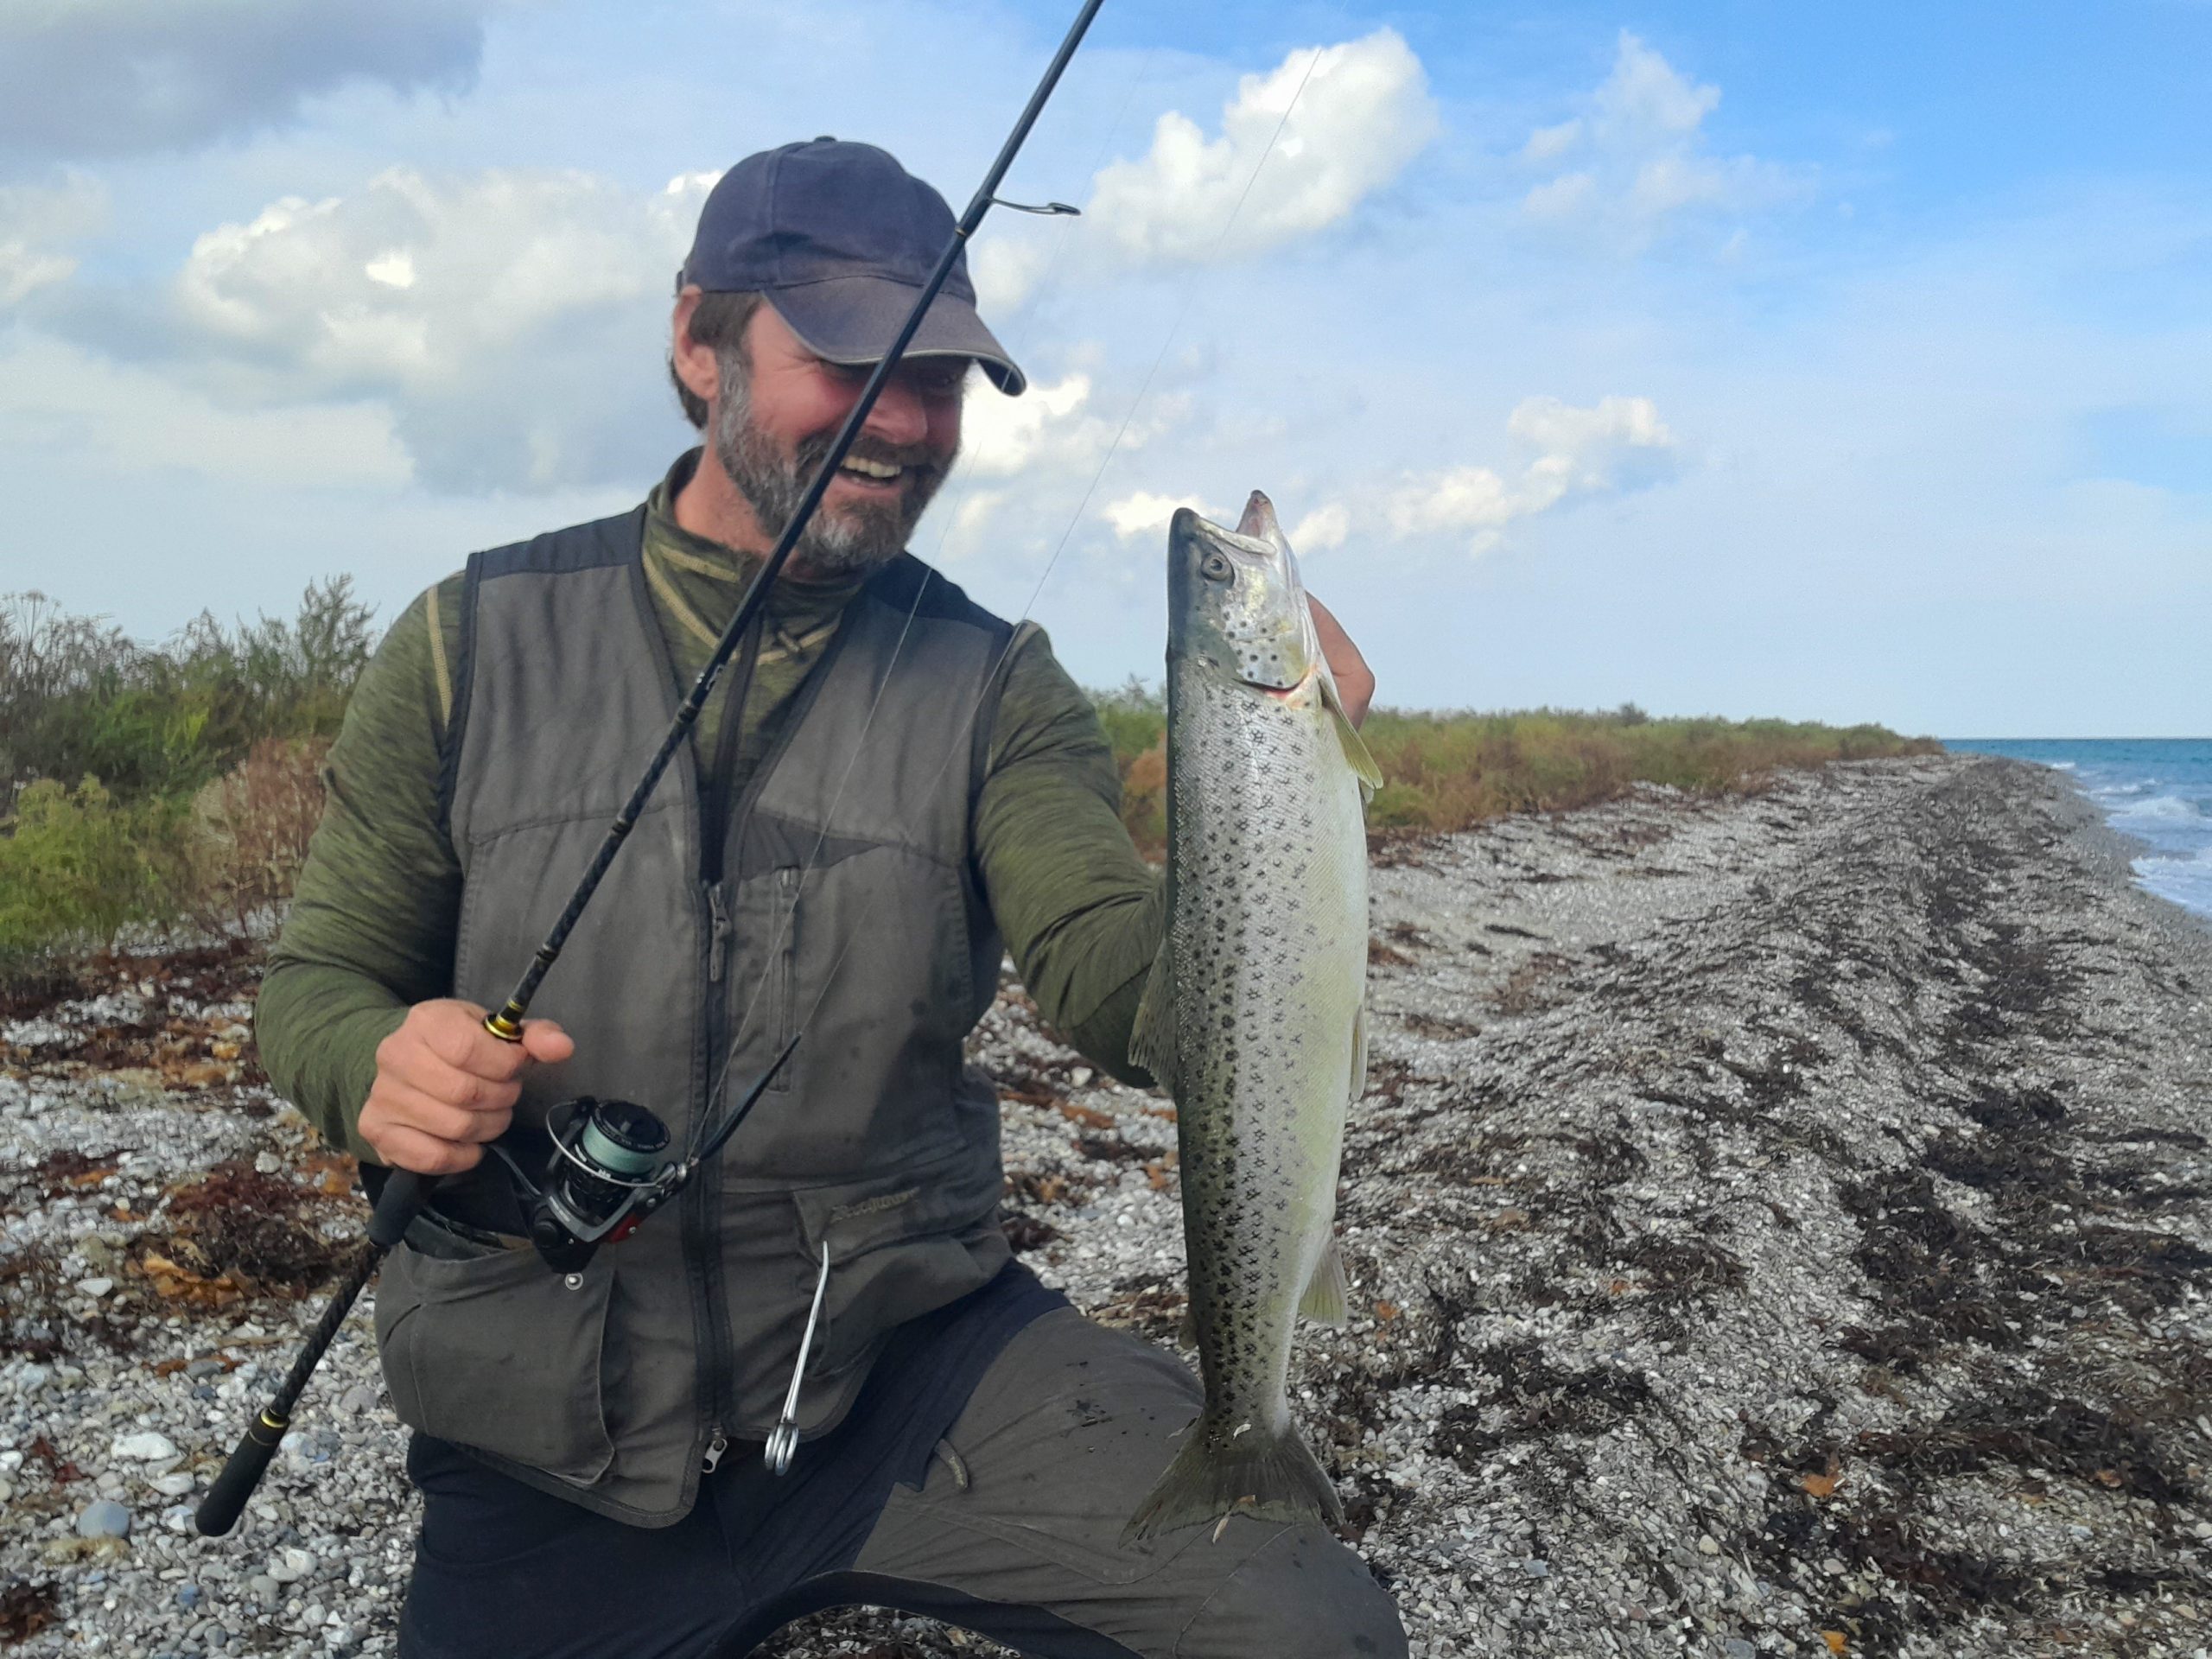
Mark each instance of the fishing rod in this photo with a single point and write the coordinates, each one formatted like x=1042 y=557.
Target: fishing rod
x=610 y=1165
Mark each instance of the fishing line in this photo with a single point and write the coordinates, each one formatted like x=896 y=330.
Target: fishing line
x=964 y=739
x=964 y=475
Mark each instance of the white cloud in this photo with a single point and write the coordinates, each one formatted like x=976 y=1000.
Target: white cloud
x=1363 y=113
x=1050 y=426
x=131 y=420
x=81 y=79
x=35 y=221
x=511 y=321
x=1570 y=453
x=1636 y=163
x=1145 y=513
x=1327 y=526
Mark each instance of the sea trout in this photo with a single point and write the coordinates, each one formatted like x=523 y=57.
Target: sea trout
x=1251 y=1019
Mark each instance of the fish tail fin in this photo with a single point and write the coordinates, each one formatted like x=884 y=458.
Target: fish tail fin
x=1327 y=1297
x=1272 y=1476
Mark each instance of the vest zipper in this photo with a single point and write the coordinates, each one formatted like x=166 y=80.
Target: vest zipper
x=719 y=929
x=715 y=1447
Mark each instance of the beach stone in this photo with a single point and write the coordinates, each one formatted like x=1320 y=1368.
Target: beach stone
x=145 y=1446
x=188 y=1596
x=200 y=1370
x=172 y=1485
x=104 y=1518
x=96 y=1286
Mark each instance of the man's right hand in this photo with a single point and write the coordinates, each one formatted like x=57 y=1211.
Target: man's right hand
x=445 y=1085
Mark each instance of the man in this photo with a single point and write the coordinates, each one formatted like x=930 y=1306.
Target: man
x=891 y=787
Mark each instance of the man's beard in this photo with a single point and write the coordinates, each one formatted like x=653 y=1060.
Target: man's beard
x=849 y=539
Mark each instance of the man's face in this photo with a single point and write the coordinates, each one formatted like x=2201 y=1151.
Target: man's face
x=779 y=410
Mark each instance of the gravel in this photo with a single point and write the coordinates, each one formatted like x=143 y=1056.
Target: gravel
x=1774 y=1224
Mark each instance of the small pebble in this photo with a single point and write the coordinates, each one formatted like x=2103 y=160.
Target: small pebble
x=145 y=1446
x=104 y=1518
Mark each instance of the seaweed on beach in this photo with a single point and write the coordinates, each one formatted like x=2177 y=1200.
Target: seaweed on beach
x=239 y=1232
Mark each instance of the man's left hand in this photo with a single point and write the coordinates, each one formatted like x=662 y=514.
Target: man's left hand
x=1355 y=680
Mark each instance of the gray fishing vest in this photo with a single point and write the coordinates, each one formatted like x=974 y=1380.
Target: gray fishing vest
x=848 y=905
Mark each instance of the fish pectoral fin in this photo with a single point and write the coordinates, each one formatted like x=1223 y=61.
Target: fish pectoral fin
x=1152 y=1039
x=1356 y=752
x=1358 y=1057
x=1326 y=1296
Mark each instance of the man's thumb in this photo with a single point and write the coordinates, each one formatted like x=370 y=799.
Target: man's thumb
x=543 y=1041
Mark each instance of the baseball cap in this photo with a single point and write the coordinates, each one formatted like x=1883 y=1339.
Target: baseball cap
x=841 y=240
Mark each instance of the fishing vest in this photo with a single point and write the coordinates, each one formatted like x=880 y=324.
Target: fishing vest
x=848 y=905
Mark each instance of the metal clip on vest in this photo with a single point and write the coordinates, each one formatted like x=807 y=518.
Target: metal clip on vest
x=783 y=1445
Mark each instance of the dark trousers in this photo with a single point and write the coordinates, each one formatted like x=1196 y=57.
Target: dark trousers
x=1012 y=1530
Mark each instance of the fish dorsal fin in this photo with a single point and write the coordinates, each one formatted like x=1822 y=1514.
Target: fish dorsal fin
x=1152 y=1039
x=1326 y=1293
x=1356 y=752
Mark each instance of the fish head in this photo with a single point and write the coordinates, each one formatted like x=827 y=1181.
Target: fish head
x=1235 y=602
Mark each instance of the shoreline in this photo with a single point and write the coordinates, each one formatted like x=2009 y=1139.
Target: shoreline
x=1768 y=1216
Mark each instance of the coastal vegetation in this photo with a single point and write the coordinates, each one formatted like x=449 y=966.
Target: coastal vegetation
x=150 y=788
x=1448 y=771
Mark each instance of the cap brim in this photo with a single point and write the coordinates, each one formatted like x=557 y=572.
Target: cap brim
x=854 y=319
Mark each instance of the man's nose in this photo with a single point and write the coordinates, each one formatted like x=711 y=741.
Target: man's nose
x=900 y=416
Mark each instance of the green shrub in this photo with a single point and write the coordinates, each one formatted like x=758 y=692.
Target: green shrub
x=79 y=866
x=1448 y=771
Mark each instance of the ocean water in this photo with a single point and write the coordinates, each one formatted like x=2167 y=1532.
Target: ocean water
x=2156 y=789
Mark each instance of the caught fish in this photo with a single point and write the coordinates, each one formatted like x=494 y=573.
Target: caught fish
x=1251 y=1020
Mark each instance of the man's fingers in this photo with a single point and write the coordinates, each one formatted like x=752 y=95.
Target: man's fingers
x=1355 y=680
x=424 y=1071
x=454 y=1032
x=402 y=1147
x=402 y=1103
x=544 y=1041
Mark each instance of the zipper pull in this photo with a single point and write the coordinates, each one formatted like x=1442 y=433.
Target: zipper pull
x=715 y=1447
x=718 y=947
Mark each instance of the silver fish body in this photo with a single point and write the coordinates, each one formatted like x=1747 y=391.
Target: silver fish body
x=1251 y=1020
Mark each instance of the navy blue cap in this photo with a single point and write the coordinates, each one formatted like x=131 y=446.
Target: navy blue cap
x=841 y=240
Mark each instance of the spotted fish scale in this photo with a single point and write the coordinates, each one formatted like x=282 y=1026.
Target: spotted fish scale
x=1251 y=1019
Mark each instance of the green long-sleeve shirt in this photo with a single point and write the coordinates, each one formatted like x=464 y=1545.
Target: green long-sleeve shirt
x=374 y=919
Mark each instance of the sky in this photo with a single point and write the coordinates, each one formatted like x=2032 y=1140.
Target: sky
x=1738 y=359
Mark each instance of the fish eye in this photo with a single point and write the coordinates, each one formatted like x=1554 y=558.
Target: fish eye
x=1214 y=567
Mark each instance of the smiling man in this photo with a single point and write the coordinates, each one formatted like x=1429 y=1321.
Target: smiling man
x=891 y=788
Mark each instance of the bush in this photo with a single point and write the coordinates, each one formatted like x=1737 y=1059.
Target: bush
x=252 y=826
x=79 y=698
x=80 y=866
x=1448 y=771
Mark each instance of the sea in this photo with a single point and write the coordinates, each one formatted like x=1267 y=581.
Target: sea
x=2155 y=789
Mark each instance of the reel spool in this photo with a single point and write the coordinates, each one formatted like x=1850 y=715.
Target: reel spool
x=611 y=1168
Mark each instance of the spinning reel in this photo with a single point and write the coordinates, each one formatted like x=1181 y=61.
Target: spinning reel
x=610 y=1166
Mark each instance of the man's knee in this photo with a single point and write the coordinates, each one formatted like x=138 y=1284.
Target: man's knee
x=1302 y=1596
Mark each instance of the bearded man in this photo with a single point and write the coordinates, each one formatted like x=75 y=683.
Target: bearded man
x=891 y=787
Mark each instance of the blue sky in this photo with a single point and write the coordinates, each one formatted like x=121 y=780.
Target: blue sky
x=1741 y=358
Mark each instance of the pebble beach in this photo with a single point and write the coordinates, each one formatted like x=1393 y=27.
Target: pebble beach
x=1777 y=1225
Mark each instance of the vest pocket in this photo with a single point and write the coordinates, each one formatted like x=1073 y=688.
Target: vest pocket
x=899 y=1246
x=498 y=1352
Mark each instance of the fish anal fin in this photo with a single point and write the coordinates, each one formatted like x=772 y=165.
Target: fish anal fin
x=1326 y=1294
x=1151 y=1038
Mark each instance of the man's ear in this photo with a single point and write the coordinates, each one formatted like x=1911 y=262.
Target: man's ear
x=695 y=364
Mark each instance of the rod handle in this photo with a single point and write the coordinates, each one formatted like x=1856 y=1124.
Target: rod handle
x=399 y=1203
x=225 y=1501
